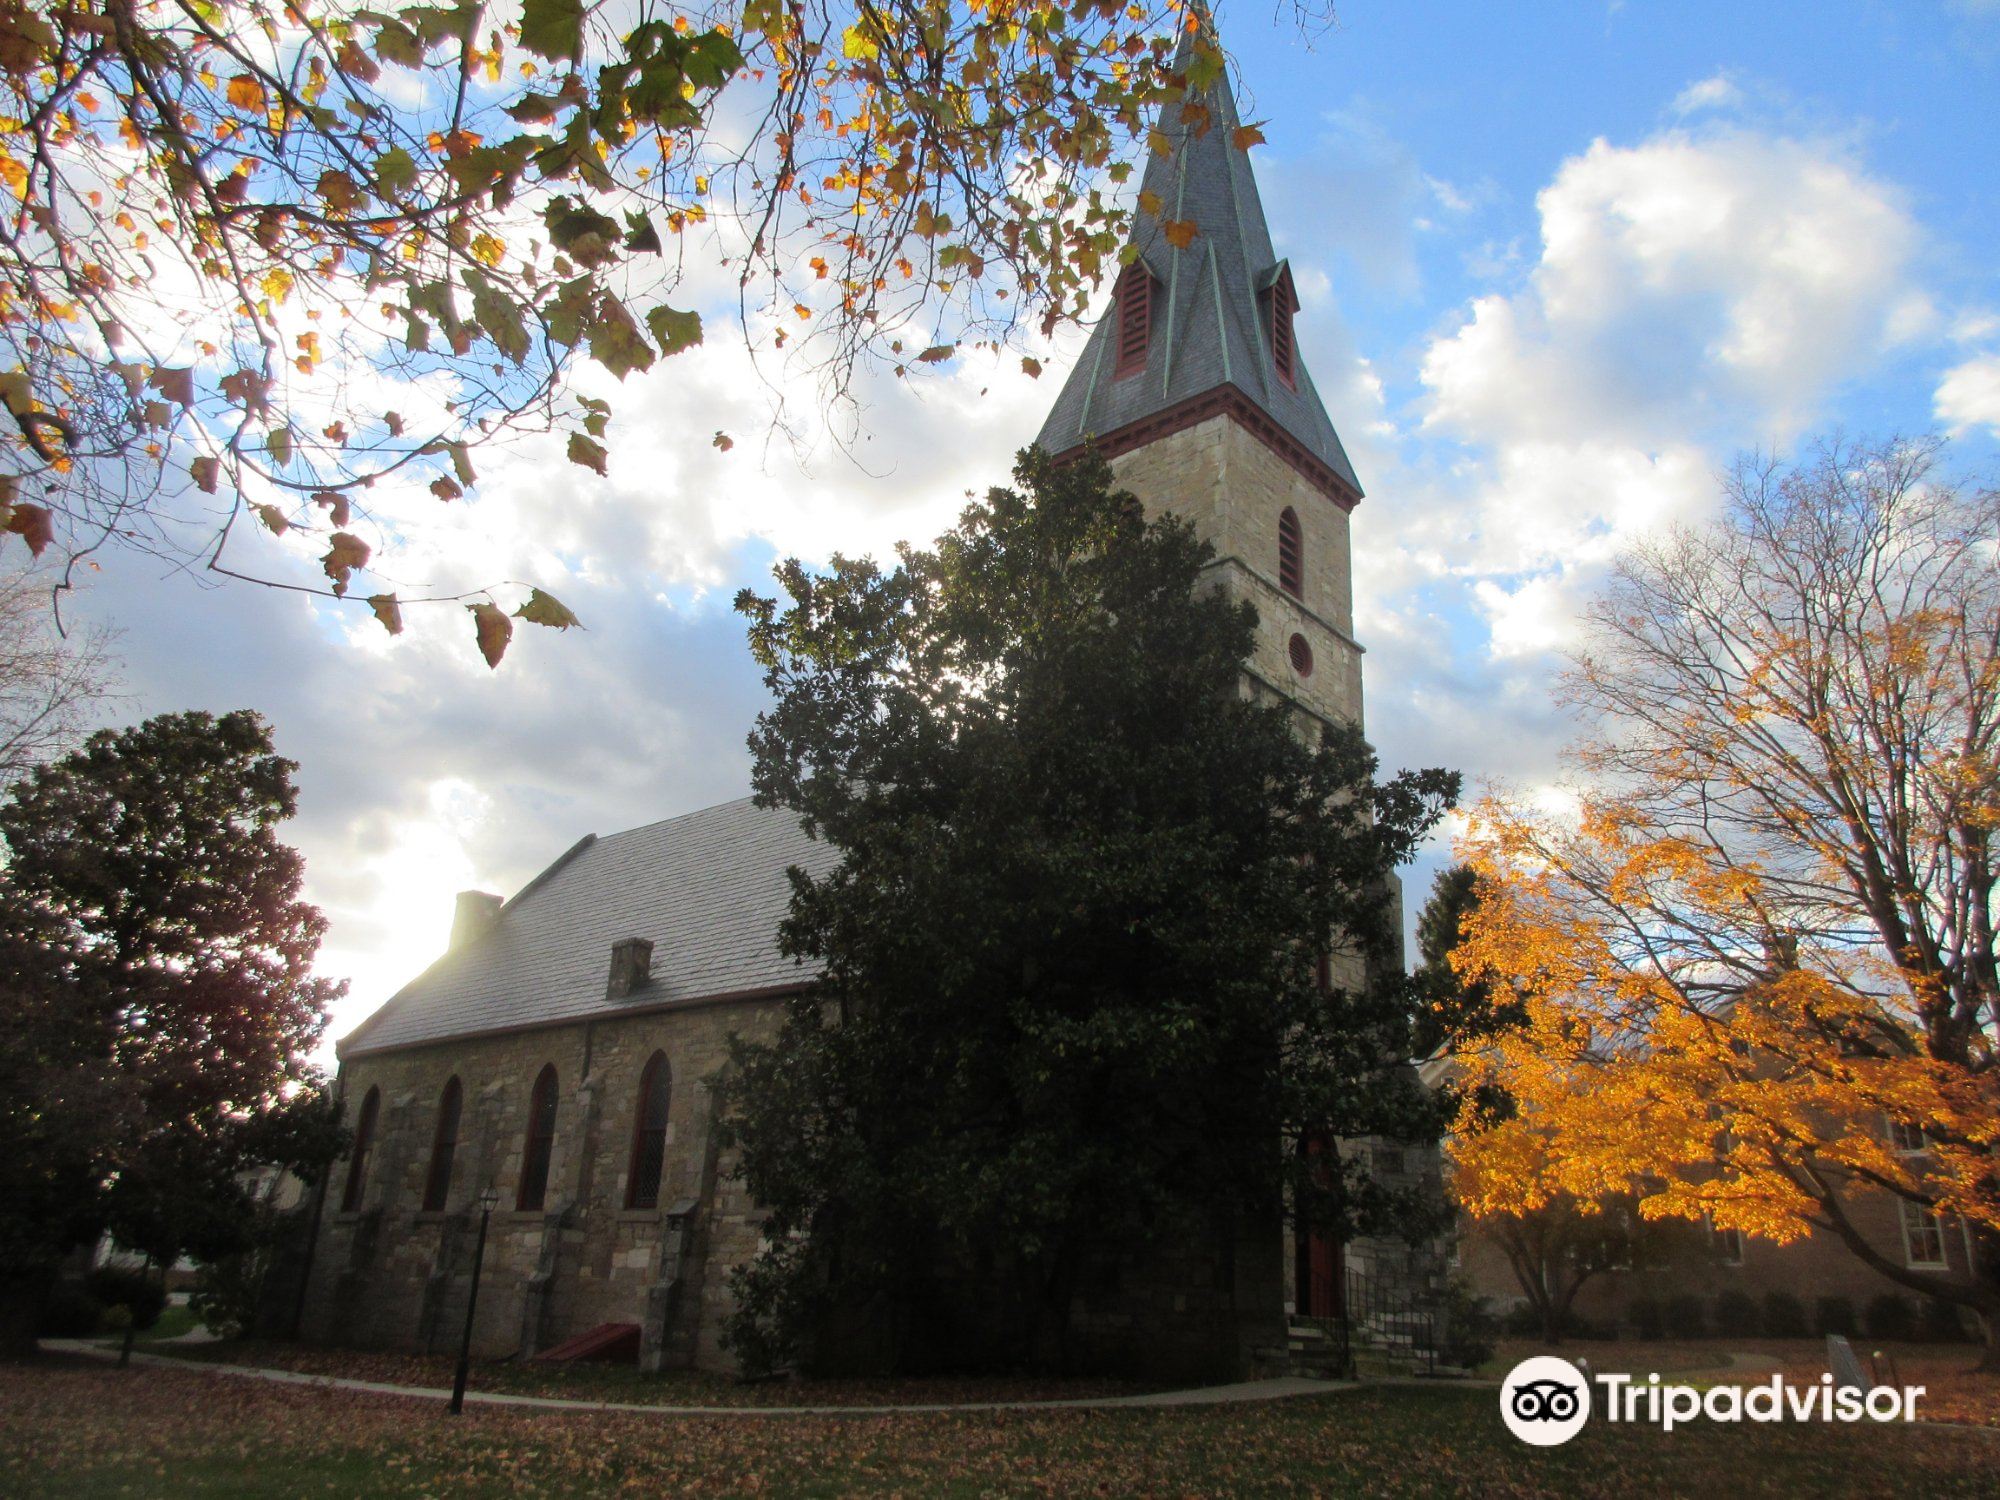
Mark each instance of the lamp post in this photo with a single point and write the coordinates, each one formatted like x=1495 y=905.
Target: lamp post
x=487 y=1201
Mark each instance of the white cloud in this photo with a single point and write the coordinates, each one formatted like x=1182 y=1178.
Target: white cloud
x=1716 y=92
x=1969 y=395
x=1685 y=283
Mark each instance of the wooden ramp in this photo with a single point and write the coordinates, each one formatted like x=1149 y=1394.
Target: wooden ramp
x=607 y=1341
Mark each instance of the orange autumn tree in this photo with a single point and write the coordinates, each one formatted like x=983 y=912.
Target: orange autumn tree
x=1754 y=941
x=270 y=266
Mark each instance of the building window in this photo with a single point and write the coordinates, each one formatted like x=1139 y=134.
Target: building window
x=1134 y=306
x=1302 y=656
x=444 y=1145
x=649 y=1134
x=1726 y=1243
x=1282 y=305
x=1291 y=554
x=364 y=1146
x=1923 y=1237
x=541 y=1142
x=1908 y=1140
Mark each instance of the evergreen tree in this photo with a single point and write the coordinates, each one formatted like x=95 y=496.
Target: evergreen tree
x=1106 y=941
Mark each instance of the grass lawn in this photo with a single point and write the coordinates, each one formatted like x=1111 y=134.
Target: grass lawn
x=68 y=1428
x=614 y=1382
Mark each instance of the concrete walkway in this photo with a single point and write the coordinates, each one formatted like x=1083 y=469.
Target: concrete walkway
x=1214 y=1395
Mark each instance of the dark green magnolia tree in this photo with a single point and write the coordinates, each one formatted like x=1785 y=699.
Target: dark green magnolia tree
x=1458 y=1012
x=157 y=1000
x=1073 y=995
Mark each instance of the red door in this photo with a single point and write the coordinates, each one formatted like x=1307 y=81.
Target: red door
x=1319 y=1291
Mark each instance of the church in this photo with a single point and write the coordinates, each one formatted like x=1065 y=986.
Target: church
x=556 y=1058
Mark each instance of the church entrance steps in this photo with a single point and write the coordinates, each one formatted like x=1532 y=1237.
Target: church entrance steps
x=607 y=1341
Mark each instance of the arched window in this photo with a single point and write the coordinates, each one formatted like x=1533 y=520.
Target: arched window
x=444 y=1145
x=1134 y=311
x=364 y=1146
x=1291 y=554
x=541 y=1141
x=649 y=1134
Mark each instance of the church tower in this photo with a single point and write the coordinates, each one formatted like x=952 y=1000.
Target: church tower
x=1194 y=387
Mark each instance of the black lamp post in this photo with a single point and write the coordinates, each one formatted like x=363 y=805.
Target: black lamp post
x=488 y=1201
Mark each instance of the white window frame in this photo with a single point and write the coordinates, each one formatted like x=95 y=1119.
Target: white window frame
x=1920 y=1222
x=1899 y=1138
x=1729 y=1242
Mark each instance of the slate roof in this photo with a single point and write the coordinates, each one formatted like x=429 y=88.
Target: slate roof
x=708 y=889
x=1207 y=330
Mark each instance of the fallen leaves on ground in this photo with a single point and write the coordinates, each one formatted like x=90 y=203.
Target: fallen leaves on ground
x=67 y=1428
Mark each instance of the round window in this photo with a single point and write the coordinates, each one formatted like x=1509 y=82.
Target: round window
x=1302 y=656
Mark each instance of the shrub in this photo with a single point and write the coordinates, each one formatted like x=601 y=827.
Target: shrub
x=1647 y=1317
x=140 y=1294
x=1835 y=1315
x=1468 y=1339
x=1523 y=1322
x=1943 y=1321
x=1784 y=1316
x=1686 y=1318
x=1891 y=1316
x=70 y=1313
x=1737 y=1315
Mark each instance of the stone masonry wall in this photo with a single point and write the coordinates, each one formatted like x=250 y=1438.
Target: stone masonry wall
x=1233 y=489
x=391 y=1275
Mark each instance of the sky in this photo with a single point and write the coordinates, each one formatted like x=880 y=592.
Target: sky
x=1559 y=264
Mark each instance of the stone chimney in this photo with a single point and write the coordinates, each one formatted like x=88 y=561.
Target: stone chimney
x=631 y=967
x=476 y=914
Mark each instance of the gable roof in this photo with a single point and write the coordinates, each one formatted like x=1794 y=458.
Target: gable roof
x=1211 y=332
x=708 y=889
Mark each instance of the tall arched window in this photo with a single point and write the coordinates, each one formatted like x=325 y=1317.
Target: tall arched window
x=649 y=1134
x=541 y=1141
x=364 y=1146
x=444 y=1146
x=1291 y=554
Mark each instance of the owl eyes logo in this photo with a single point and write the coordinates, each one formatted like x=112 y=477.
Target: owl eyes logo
x=1545 y=1401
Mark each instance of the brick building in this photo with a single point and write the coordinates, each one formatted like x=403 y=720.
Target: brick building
x=558 y=1053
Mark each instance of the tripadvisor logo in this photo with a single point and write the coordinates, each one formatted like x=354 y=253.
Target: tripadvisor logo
x=1546 y=1401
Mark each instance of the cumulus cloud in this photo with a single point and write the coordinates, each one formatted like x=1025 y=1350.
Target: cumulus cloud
x=1969 y=395
x=421 y=771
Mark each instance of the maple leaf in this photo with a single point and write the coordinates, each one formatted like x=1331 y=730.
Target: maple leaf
x=493 y=630
x=546 y=609
x=1180 y=233
x=1243 y=137
x=246 y=93
x=345 y=553
x=552 y=29
x=204 y=472
x=33 y=525
x=388 y=611
x=587 y=453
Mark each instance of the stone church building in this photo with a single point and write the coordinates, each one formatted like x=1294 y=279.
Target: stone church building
x=558 y=1053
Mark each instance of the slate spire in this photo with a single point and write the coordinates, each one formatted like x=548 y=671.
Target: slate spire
x=1210 y=335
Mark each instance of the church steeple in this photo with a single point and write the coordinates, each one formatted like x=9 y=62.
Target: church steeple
x=1201 y=320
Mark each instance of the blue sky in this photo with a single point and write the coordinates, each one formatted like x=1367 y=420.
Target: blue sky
x=1558 y=263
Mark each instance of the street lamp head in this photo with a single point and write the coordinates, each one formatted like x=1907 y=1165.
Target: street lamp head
x=488 y=1201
